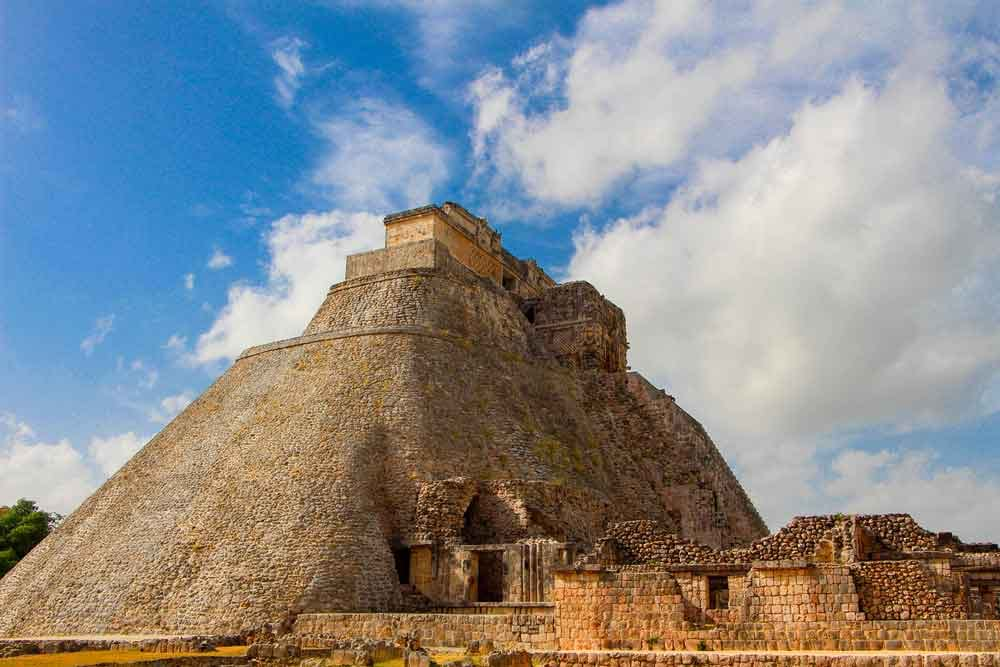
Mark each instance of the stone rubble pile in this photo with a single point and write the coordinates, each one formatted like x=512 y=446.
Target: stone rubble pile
x=796 y=541
x=899 y=532
x=642 y=542
x=647 y=542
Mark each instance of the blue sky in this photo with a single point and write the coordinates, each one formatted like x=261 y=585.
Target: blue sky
x=795 y=204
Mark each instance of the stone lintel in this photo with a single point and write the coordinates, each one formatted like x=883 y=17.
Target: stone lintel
x=783 y=565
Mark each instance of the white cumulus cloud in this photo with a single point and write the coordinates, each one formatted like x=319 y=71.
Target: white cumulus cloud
x=111 y=453
x=56 y=475
x=842 y=275
x=617 y=86
x=306 y=255
x=941 y=497
x=642 y=86
x=379 y=157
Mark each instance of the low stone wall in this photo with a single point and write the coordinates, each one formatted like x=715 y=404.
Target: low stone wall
x=538 y=632
x=496 y=608
x=597 y=609
x=830 y=636
x=764 y=659
x=521 y=631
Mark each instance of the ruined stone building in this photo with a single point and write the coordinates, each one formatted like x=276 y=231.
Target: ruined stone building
x=457 y=434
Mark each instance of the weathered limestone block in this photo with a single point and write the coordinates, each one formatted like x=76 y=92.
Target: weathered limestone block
x=508 y=659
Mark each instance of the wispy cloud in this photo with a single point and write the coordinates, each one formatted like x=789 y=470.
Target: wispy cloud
x=102 y=327
x=189 y=281
x=440 y=38
x=219 y=260
x=251 y=210
x=22 y=114
x=148 y=376
x=176 y=343
x=203 y=210
x=287 y=55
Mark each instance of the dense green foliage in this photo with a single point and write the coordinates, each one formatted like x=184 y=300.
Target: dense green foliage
x=21 y=528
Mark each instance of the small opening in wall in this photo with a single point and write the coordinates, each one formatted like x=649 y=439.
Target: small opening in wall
x=401 y=555
x=529 y=312
x=718 y=592
x=509 y=282
x=490 y=584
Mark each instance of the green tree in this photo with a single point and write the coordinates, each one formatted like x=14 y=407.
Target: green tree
x=21 y=528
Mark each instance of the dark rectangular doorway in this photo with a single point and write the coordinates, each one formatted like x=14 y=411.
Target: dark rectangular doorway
x=490 y=581
x=402 y=557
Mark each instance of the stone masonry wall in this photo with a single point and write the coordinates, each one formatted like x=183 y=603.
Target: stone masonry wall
x=697 y=607
x=514 y=631
x=902 y=590
x=580 y=327
x=801 y=594
x=614 y=609
x=697 y=493
x=425 y=254
x=763 y=659
x=417 y=298
x=539 y=632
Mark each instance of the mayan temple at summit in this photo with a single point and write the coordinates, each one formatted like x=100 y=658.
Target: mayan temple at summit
x=455 y=432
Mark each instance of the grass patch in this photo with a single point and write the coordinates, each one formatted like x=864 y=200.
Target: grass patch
x=84 y=658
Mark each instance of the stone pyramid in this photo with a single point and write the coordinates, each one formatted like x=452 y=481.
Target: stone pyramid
x=448 y=405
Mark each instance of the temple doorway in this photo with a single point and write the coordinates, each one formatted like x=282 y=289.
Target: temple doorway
x=490 y=578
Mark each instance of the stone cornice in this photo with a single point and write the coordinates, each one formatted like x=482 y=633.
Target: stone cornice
x=349 y=333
